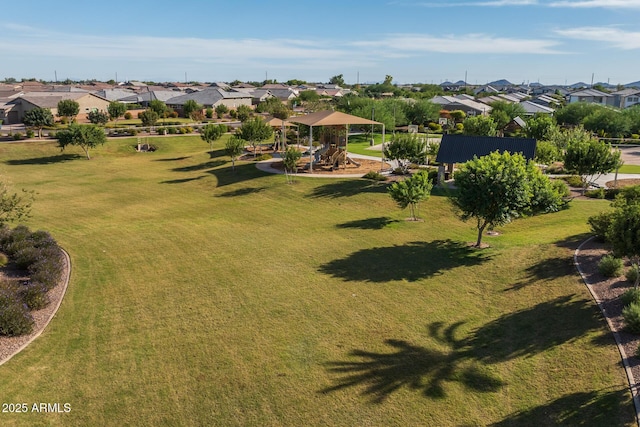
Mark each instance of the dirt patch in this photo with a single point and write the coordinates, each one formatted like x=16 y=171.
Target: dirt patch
x=623 y=183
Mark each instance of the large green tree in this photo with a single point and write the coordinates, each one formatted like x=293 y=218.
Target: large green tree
x=255 y=130
x=337 y=80
x=158 y=106
x=190 y=106
x=540 y=127
x=38 y=118
x=590 y=159
x=480 y=126
x=98 y=117
x=406 y=149
x=69 y=109
x=574 y=113
x=211 y=133
x=116 y=110
x=503 y=112
x=422 y=112
x=149 y=117
x=497 y=188
x=608 y=122
x=411 y=191
x=84 y=136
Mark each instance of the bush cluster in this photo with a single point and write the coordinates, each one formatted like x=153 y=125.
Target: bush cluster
x=574 y=181
x=38 y=253
x=375 y=176
x=610 y=266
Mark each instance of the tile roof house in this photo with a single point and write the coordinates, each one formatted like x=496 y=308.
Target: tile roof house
x=211 y=97
x=27 y=102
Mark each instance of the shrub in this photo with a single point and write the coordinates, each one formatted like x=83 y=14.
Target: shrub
x=375 y=176
x=597 y=193
x=635 y=136
x=574 y=181
x=631 y=296
x=174 y=115
x=34 y=295
x=15 y=318
x=262 y=157
x=560 y=187
x=52 y=134
x=17 y=136
x=128 y=115
x=30 y=133
x=171 y=131
x=631 y=316
x=610 y=266
x=3 y=260
x=209 y=113
x=555 y=168
x=600 y=223
x=632 y=275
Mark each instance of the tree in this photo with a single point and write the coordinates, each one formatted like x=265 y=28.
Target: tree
x=38 y=118
x=68 y=108
x=149 y=117
x=116 y=110
x=158 y=106
x=406 y=149
x=243 y=112
x=98 y=117
x=234 y=147
x=574 y=113
x=624 y=233
x=84 y=136
x=607 y=122
x=411 y=191
x=190 y=106
x=308 y=96
x=497 y=188
x=480 y=126
x=590 y=159
x=337 y=80
x=290 y=162
x=255 y=131
x=221 y=110
x=422 y=112
x=547 y=153
x=14 y=206
x=211 y=132
x=540 y=127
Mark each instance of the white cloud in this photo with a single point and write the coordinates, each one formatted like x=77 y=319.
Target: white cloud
x=618 y=38
x=613 y=4
x=468 y=43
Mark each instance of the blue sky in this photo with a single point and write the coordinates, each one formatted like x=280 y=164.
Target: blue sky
x=428 y=41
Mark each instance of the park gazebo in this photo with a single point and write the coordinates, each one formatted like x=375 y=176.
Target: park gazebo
x=331 y=118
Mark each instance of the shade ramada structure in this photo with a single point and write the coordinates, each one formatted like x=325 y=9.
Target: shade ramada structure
x=330 y=118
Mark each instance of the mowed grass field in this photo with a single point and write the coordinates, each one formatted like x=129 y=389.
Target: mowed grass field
x=200 y=296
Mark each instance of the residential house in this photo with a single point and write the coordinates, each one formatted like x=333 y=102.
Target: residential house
x=470 y=107
x=88 y=102
x=211 y=97
x=531 y=108
x=593 y=96
x=144 y=98
x=625 y=98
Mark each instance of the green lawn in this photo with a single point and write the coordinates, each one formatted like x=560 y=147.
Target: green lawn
x=200 y=296
x=629 y=169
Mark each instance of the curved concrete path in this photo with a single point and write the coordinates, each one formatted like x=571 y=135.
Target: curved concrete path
x=633 y=385
x=37 y=333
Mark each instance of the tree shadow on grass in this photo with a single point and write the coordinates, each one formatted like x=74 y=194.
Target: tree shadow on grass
x=199 y=167
x=369 y=223
x=243 y=172
x=242 y=192
x=573 y=242
x=347 y=188
x=411 y=366
x=594 y=408
x=182 y=181
x=412 y=261
x=546 y=271
x=172 y=159
x=59 y=158
x=524 y=333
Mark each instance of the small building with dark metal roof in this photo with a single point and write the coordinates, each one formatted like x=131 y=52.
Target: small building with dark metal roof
x=462 y=148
